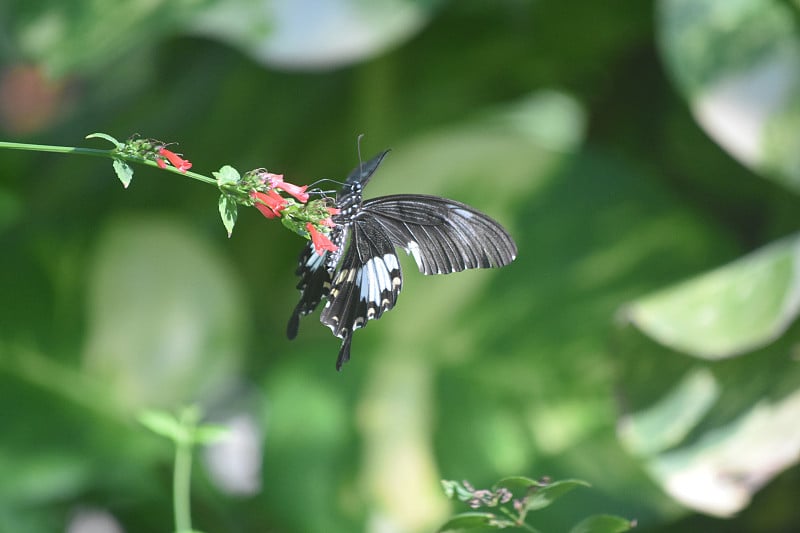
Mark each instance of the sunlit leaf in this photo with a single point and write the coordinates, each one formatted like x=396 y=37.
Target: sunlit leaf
x=738 y=63
x=340 y=32
x=228 y=210
x=124 y=172
x=729 y=311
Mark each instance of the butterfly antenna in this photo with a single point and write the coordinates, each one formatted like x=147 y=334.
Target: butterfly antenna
x=360 y=161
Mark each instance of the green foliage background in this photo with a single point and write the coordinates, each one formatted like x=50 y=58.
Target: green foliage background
x=643 y=155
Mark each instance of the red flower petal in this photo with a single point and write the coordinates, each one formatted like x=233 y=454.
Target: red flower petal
x=320 y=241
x=177 y=161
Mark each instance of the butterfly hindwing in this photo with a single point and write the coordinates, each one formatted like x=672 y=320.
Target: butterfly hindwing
x=315 y=273
x=365 y=285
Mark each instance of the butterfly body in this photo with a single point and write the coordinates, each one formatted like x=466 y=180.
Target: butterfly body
x=362 y=279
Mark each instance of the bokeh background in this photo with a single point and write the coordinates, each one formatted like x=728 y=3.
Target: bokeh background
x=645 y=156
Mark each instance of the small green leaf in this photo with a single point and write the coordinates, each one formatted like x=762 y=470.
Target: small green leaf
x=603 y=523
x=209 y=434
x=163 y=423
x=457 y=489
x=516 y=483
x=228 y=210
x=105 y=136
x=227 y=175
x=474 y=521
x=544 y=496
x=124 y=172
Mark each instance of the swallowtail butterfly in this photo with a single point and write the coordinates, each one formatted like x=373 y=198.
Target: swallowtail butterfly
x=362 y=279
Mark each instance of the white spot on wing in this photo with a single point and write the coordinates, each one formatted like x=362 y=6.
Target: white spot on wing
x=413 y=249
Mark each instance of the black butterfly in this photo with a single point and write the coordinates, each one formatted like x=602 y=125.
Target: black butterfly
x=441 y=235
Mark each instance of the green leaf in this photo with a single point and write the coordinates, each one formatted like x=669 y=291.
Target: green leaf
x=229 y=211
x=457 y=489
x=474 y=521
x=738 y=64
x=603 y=523
x=107 y=137
x=547 y=495
x=671 y=418
x=516 y=483
x=162 y=423
x=208 y=434
x=729 y=311
x=227 y=175
x=124 y=172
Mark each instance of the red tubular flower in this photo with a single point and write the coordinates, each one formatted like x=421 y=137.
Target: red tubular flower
x=328 y=222
x=320 y=241
x=334 y=210
x=175 y=160
x=269 y=203
x=276 y=181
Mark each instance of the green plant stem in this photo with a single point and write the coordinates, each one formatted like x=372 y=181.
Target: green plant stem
x=519 y=520
x=182 y=476
x=94 y=152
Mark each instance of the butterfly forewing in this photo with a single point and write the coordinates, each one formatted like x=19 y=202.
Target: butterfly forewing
x=442 y=235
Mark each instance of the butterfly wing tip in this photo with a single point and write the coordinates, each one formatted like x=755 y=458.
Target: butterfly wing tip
x=292 y=327
x=344 y=353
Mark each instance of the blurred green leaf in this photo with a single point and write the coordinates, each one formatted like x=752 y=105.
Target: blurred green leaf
x=475 y=520
x=516 y=483
x=738 y=64
x=544 y=496
x=284 y=36
x=728 y=311
x=191 y=347
x=124 y=172
x=164 y=424
x=670 y=420
x=207 y=434
x=603 y=524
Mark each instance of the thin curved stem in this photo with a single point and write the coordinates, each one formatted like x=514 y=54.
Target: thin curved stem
x=94 y=152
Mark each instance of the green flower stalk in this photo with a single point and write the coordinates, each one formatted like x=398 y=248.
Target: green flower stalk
x=310 y=218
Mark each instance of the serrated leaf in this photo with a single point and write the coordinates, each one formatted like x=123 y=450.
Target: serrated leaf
x=227 y=175
x=124 y=172
x=475 y=520
x=162 y=423
x=105 y=136
x=728 y=311
x=209 y=434
x=603 y=523
x=229 y=211
x=547 y=495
